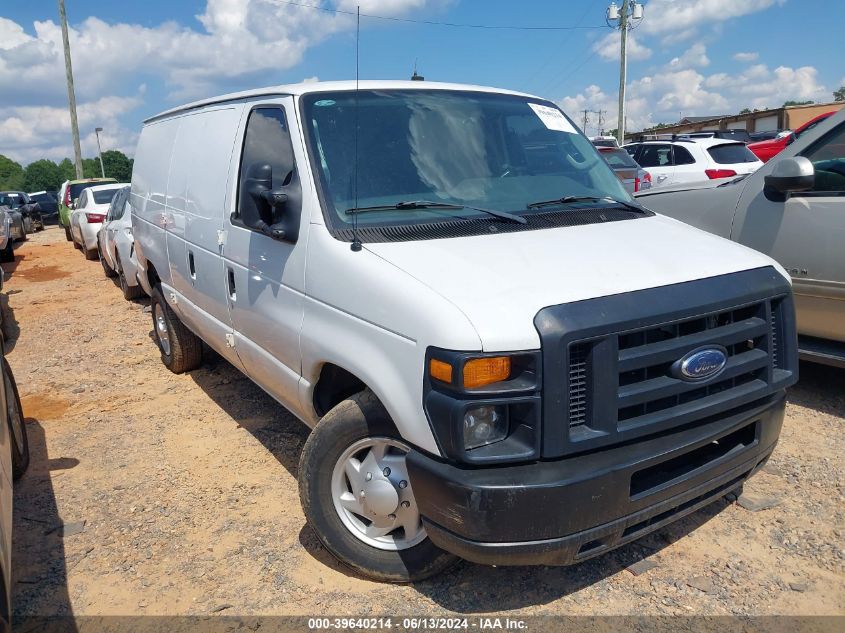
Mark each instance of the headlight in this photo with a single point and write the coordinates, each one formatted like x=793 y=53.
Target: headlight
x=485 y=425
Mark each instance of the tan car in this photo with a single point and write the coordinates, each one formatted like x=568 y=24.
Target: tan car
x=792 y=209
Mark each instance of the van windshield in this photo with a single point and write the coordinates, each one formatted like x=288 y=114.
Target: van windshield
x=482 y=150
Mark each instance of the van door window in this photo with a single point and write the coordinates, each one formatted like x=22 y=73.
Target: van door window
x=269 y=195
x=828 y=158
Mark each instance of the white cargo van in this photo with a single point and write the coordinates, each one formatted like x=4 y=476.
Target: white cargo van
x=503 y=357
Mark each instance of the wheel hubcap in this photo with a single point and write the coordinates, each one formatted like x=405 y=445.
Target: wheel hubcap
x=161 y=330
x=373 y=497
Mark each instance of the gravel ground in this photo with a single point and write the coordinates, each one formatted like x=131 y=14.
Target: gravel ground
x=151 y=493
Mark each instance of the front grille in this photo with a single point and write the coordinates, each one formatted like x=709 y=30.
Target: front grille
x=648 y=395
x=578 y=385
x=608 y=375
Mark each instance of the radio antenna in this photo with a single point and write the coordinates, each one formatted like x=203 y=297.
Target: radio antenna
x=356 y=243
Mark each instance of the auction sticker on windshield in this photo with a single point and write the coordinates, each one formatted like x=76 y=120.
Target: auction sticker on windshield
x=552 y=118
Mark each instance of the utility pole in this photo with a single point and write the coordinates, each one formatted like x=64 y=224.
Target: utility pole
x=71 y=96
x=626 y=17
x=601 y=114
x=584 y=127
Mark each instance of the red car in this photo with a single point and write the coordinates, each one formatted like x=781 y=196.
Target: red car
x=764 y=150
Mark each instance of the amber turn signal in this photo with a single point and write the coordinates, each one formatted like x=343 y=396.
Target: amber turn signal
x=440 y=370
x=486 y=371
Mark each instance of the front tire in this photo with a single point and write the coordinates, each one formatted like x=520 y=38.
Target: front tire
x=107 y=270
x=181 y=349
x=129 y=292
x=17 y=425
x=355 y=493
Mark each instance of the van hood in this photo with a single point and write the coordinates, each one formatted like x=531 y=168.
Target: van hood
x=500 y=281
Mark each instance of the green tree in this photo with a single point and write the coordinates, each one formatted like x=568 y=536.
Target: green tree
x=91 y=168
x=786 y=104
x=745 y=111
x=67 y=170
x=42 y=174
x=839 y=95
x=11 y=174
x=118 y=165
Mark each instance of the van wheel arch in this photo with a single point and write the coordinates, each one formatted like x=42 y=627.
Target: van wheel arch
x=152 y=275
x=334 y=385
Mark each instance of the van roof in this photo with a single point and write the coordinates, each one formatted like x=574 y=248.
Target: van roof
x=332 y=86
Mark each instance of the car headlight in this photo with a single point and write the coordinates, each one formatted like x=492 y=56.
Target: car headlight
x=483 y=425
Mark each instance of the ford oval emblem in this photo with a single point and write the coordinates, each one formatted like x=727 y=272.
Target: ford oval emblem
x=701 y=364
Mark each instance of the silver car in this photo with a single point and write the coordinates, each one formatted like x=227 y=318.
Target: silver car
x=117 y=247
x=88 y=215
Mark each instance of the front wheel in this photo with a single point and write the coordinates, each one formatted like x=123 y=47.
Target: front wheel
x=17 y=426
x=129 y=292
x=356 y=495
x=8 y=254
x=181 y=349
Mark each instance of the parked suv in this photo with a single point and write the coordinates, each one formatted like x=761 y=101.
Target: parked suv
x=692 y=160
x=791 y=209
x=28 y=208
x=502 y=356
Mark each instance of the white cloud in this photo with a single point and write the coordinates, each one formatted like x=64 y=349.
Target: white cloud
x=666 y=95
x=746 y=57
x=665 y=16
x=696 y=55
x=235 y=43
x=609 y=47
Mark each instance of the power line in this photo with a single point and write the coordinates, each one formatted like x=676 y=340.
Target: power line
x=436 y=23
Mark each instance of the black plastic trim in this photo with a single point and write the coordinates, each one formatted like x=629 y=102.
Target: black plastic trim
x=566 y=510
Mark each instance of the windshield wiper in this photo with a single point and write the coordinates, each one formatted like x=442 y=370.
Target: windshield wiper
x=570 y=199
x=411 y=205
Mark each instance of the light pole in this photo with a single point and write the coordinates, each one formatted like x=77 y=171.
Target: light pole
x=628 y=16
x=97 y=131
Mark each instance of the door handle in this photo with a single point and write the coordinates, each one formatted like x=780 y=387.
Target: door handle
x=231 y=282
x=191 y=267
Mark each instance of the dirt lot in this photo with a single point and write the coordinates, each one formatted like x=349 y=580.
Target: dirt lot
x=178 y=493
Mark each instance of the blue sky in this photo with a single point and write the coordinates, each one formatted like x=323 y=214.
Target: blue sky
x=131 y=60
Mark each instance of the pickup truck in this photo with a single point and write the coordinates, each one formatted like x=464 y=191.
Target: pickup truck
x=792 y=209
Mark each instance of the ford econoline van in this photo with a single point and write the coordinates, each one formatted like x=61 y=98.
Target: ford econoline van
x=502 y=356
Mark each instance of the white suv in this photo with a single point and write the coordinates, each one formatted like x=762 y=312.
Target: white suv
x=687 y=160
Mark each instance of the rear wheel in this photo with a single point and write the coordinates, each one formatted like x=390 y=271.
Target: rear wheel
x=68 y=236
x=181 y=349
x=17 y=426
x=8 y=253
x=91 y=254
x=355 y=493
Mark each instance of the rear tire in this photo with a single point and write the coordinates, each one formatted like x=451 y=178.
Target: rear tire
x=17 y=426
x=7 y=254
x=90 y=255
x=68 y=236
x=355 y=422
x=181 y=349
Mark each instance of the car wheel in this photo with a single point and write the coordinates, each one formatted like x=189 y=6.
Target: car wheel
x=68 y=236
x=354 y=489
x=91 y=254
x=129 y=292
x=181 y=349
x=17 y=425
x=8 y=254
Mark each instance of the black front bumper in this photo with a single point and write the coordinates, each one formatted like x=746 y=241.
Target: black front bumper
x=567 y=510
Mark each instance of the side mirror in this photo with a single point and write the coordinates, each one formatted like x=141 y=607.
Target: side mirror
x=789 y=175
x=261 y=207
